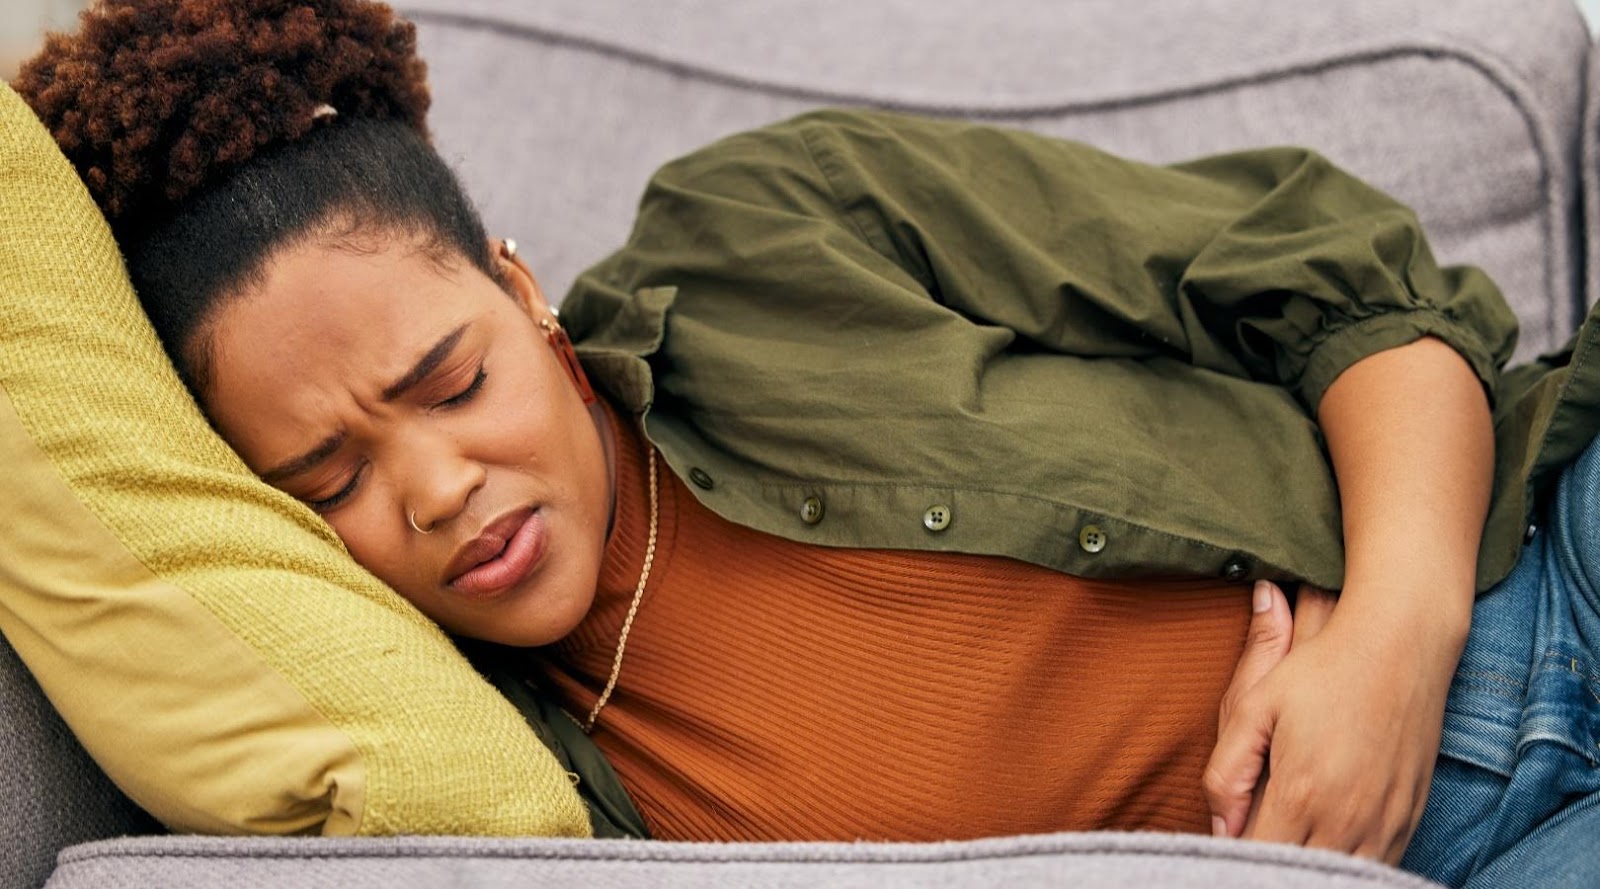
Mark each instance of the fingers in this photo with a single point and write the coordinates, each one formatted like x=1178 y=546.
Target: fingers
x=1266 y=642
x=1396 y=848
x=1374 y=822
x=1275 y=815
x=1255 y=800
x=1236 y=767
x=1348 y=723
x=1312 y=608
x=1373 y=830
x=1244 y=734
x=1280 y=818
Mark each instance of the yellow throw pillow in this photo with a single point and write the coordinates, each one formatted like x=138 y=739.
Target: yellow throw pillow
x=206 y=637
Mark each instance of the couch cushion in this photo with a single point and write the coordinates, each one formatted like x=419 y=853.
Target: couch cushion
x=557 y=111
x=1099 y=860
x=51 y=794
x=207 y=637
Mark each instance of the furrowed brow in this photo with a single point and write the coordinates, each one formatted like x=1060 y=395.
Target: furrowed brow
x=309 y=460
x=427 y=364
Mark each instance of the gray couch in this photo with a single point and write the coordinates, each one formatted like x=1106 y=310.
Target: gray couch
x=1474 y=111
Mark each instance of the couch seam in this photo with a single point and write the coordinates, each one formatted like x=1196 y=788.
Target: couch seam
x=69 y=856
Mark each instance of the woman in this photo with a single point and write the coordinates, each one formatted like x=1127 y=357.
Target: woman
x=950 y=433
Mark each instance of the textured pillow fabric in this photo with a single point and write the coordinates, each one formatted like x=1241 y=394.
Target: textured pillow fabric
x=207 y=638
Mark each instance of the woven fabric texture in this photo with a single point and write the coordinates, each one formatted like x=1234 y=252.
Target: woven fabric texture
x=206 y=637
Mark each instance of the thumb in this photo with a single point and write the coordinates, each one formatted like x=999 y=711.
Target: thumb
x=1267 y=641
x=1243 y=735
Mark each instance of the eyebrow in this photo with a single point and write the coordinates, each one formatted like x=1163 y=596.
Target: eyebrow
x=296 y=465
x=425 y=365
x=326 y=448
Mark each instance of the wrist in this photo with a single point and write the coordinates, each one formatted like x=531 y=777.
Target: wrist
x=1431 y=615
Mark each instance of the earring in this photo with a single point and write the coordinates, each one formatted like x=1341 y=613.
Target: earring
x=412 y=518
x=556 y=335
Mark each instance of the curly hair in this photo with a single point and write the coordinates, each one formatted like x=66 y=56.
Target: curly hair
x=152 y=100
x=216 y=132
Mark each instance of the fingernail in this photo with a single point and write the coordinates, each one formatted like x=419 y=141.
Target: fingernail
x=1262 y=600
x=1219 y=827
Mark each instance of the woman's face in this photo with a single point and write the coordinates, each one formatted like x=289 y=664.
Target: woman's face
x=381 y=386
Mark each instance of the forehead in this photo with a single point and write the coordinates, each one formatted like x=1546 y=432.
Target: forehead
x=313 y=295
x=323 y=328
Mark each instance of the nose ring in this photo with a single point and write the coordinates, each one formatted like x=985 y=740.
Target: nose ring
x=412 y=518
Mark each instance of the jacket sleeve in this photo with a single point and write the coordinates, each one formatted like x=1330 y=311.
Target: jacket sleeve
x=1272 y=265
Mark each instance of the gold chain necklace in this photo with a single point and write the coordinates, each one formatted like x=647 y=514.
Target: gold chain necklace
x=638 y=596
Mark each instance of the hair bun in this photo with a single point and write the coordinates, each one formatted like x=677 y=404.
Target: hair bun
x=152 y=100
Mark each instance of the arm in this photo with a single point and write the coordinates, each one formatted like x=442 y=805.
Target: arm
x=1270 y=265
x=1352 y=717
x=1413 y=449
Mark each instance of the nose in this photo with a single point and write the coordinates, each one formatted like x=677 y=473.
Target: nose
x=436 y=480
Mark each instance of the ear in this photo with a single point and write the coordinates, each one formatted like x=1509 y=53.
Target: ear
x=518 y=279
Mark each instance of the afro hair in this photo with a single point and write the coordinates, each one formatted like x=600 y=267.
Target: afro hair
x=154 y=100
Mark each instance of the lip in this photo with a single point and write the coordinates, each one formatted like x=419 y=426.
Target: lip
x=501 y=556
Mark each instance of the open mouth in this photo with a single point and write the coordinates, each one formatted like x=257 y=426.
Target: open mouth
x=502 y=556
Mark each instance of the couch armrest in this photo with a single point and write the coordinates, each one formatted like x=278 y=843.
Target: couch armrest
x=1101 y=860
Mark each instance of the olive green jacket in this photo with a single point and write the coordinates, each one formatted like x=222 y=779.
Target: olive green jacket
x=866 y=329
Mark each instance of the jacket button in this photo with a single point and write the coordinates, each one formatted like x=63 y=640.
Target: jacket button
x=701 y=479
x=811 y=510
x=937 y=518
x=1237 y=568
x=1091 y=538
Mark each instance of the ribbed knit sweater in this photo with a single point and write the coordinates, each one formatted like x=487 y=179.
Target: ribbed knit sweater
x=774 y=690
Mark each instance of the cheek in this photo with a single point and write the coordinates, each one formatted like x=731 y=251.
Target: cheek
x=548 y=434
x=373 y=541
x=532 y=421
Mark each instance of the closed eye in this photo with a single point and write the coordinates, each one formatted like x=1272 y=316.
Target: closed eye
x=329 y=504
x=467 y=394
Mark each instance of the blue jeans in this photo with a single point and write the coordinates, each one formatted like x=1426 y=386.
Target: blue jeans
x=1516 y=793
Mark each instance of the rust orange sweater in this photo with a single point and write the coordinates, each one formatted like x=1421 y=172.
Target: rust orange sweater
x=774 y=690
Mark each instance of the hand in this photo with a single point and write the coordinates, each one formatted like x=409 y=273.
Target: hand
x=1273 y=634
x=1329 y=730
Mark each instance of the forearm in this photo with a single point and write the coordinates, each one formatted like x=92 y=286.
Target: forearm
x=1412 y=445
x=1348 y=718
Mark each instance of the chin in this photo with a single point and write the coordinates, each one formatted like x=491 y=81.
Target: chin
x=538 y=621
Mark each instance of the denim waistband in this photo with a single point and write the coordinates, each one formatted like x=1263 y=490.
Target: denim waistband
x=1530 y=671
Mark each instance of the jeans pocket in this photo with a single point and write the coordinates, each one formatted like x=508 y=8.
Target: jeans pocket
x=1563 y=712
x=1484 y=713
x=1485 y=817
